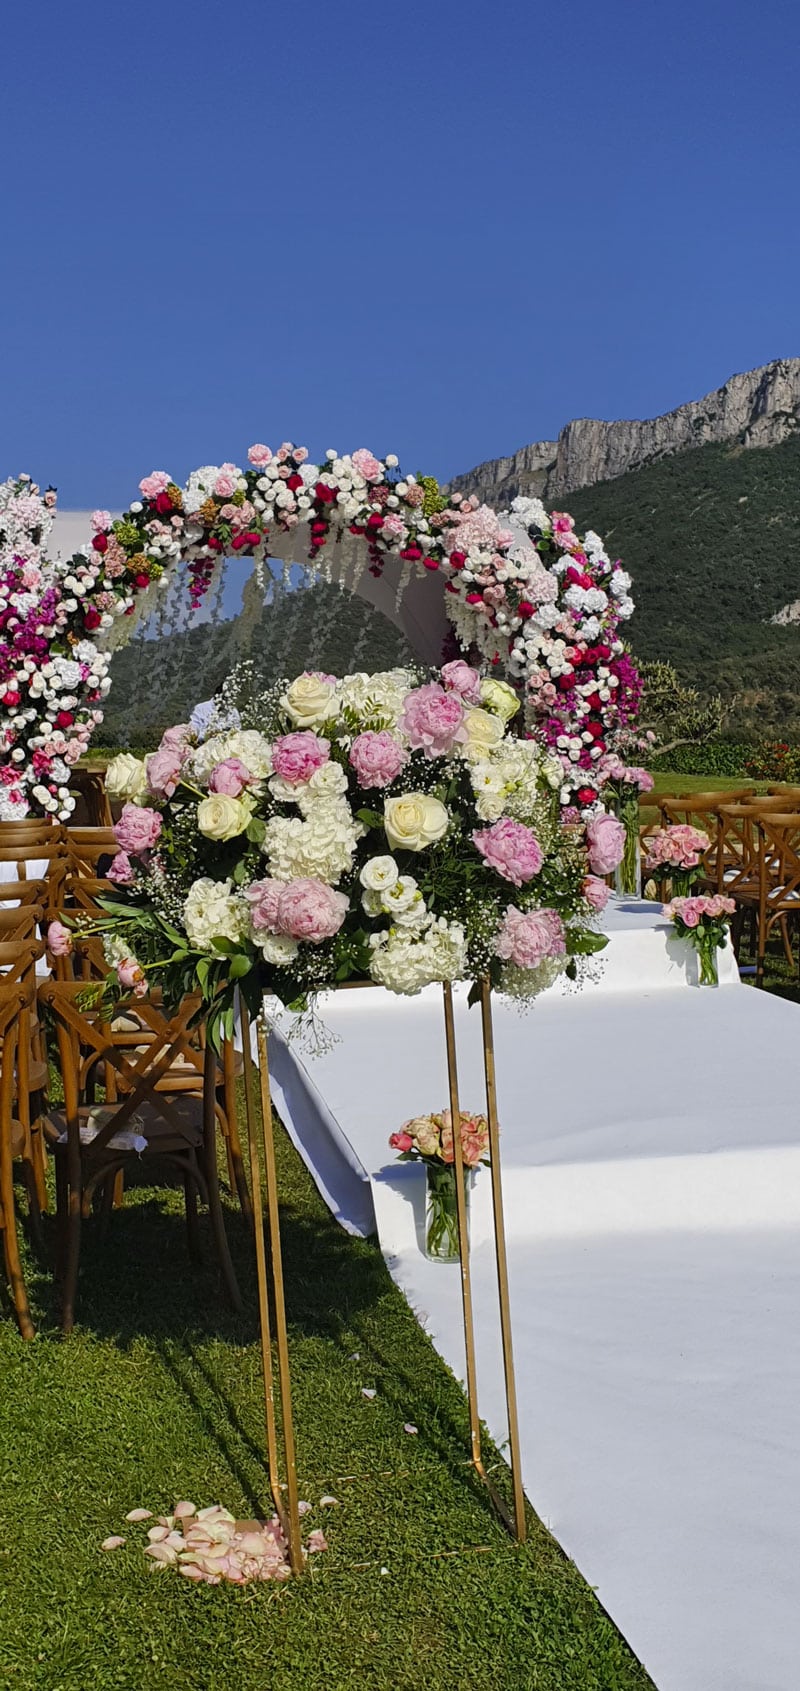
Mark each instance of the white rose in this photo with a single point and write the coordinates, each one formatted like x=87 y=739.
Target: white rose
x=379 y=874
x=414 y=821
x=222 y=818
x=309 y=701
x=126 y=778
x=484 y=731
x=499 y=698
x=280 y=949
x=210 y=912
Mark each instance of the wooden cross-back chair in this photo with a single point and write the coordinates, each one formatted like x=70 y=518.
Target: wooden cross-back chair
x=178 y=1126
x=85 y=848
x=761 y=848
x=90 y=788
x=15 y=1000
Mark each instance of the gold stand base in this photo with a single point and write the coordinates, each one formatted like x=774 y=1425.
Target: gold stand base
x=515 y=1522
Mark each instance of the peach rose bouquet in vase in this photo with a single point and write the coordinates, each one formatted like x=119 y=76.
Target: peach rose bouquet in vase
x=429 y=1140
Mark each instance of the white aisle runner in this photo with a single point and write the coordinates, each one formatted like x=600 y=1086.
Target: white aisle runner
x=651 y=1155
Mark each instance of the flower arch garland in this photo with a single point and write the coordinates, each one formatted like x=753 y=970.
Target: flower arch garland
x=537 y=602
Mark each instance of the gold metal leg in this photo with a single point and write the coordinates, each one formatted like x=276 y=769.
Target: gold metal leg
x=463 y=1236
x=502 y=1261
x=290 y=1518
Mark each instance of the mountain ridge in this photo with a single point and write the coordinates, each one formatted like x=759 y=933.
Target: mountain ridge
x=754 y=408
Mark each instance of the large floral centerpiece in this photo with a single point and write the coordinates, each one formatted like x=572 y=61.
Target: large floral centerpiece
x=386 y=828
x=525 y=594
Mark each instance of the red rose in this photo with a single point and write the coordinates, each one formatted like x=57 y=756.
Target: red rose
x=215 y=545
x=565 y=682
x=11 y=698
x=431 y=563
x=142 y=580
x=92 y=618
x=586 y=795
x=525 y=608
x=163 y=503
x=325 y=494
x=375 y=521
x=458 y=560
x=293 y=482
x=100 y=543
x=595 y=729
x=64 y=719
x=251 y=537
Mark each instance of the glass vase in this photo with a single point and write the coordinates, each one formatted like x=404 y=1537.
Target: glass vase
x=628 y=873
x=441 y=1211
x=707 y=972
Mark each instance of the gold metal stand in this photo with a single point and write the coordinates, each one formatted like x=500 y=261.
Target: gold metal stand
x=286 y=1506
x=516 y=1524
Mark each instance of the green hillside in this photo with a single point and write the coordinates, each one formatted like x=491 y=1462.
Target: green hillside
x=712 y=540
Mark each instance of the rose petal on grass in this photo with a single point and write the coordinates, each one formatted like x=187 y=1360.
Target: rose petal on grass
x=157 y=1534
x=408 y=1427
x=303 y=1508
x=183 y=1511
x=329 y=1503
x=138 y=1514
x=356 y=1356
x=317 y=1540
x=162 y=1555
x=113 y=1543
x=368 y=1392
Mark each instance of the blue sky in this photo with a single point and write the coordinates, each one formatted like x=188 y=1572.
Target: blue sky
x=435 y=228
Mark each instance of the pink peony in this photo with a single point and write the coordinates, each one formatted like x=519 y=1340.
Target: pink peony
x=130 y=974
x=510 y=849
x=154 y=484
x=163 y=771
x=176 y=738
x=296 y=757
x=376 y=758
x=121 y=870
x=433 y=720
x=311 y=910
x=259 y=455
x=138 y=828
x=367 y=464
x=230 y=777
x=100 y=520
x=595 y=892
x=262 y=897
x=527 y=937
x=460 y=677
x=605 y=837
x=59 y=939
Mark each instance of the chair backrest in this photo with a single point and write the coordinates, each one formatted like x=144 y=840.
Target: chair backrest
x=20 y=922
x=89 y=785
x=87 y=847
x=779 y=861
x=18 y=959
x=87 y=1044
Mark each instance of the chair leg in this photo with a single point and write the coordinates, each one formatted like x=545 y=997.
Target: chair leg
x=236 y=1173
x=34 y=1211
x=787 y=943
x=212 y=1181
x=11 y=1245
x=192 y=1220
x=71 y=1223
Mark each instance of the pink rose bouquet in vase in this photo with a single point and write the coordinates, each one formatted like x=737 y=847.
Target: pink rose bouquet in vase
x=429 y=1139
x=621 y=788
x=704 y=921
x=675 y=854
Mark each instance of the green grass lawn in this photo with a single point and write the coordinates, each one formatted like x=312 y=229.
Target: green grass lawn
x=157 y=1396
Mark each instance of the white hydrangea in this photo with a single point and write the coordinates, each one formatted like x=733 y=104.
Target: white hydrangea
x=248 y=744
x=212 y=911
x=321 y=845
x=405 y=963
x=377 y=698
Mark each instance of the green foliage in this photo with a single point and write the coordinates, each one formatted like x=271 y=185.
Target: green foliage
x=712 y=540
x=775 y=760
x=715 y=757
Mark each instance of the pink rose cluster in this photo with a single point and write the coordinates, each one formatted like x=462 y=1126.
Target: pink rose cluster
x=527 y=937
x=433 y=720
x=691 y=910
x=296 y=757
x=431 y=1138
x=511 y=849
x=377 y=758
x=678 y=847
x=605 y=837
x=304 y=909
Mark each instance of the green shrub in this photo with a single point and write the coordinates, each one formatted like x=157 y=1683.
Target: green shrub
x=714 y=757
x=774 y=760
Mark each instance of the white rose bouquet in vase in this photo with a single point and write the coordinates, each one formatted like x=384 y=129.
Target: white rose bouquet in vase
x=386 y=828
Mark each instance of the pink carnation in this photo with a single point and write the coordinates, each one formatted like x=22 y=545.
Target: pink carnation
x=263 y=897
x=121 y=870
x=367 y=464
x=376 y=758
x=310 y=910
x=154 y=484
x=393 y=528
x=510 y=849
x=259 y=455
x=460 y=677
x=433 y=720
x=137 y=829
x=230 y=777
x=163 y=771
x=100 y=520
x=606 y=841
x=595 y=892
x=527 y=937
x=297 y=756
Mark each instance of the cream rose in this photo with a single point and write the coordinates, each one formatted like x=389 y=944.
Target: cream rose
x=222 y=818
x=414 y=821
x=126 y=779
x=484 y=731
x=499 y=698
x=309 y=701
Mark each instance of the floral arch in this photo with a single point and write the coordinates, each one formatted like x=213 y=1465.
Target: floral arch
x=540 y=606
